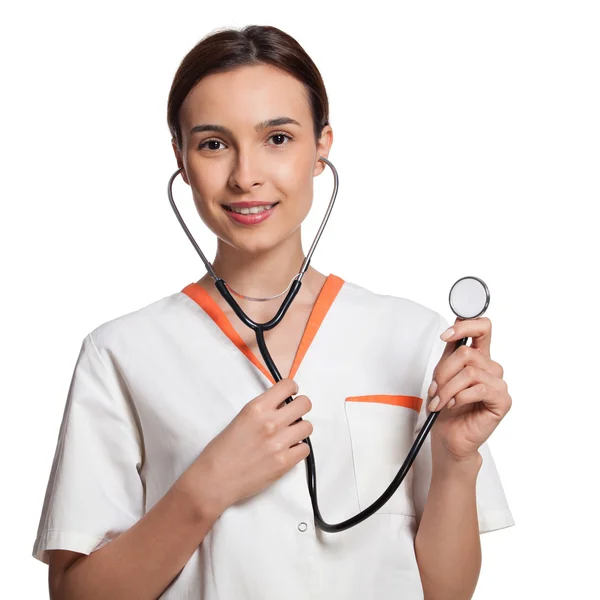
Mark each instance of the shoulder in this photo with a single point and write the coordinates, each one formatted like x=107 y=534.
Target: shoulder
x=156 y=318
x=393 y=328
x=388 y=307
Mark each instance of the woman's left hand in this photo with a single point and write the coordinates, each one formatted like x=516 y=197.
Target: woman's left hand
x=470 y=377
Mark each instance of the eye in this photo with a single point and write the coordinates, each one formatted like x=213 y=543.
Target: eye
x=280 y=134
x=203 y=144
x=277 y=134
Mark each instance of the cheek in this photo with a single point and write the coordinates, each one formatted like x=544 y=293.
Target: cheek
x=295 y=182
x=207 y=180
x=207 y=187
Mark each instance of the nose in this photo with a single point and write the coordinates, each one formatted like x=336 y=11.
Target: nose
x=246 y=171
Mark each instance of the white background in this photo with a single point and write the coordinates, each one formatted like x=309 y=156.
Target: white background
x=466 y=137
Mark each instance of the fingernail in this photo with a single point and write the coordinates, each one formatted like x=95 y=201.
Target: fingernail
x=451 y=403
x=447 y=334
x=433 y=404
x=432 y=388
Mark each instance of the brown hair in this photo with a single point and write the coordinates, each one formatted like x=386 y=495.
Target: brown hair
x=225 y=49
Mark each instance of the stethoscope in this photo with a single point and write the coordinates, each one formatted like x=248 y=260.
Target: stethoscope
x=469 y=298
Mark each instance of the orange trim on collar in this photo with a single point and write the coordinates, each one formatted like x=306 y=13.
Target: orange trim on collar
x=323 y=303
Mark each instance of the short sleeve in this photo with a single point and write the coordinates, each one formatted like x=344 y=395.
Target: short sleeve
x=94 y=490
x=493 y=511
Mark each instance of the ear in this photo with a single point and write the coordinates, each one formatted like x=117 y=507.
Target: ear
x=323 y=148
x=179 y=159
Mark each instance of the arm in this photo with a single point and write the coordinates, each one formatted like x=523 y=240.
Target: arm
x=142 y=561
x=447 y=544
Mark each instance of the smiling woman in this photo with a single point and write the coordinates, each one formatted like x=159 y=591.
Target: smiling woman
x=179 y=466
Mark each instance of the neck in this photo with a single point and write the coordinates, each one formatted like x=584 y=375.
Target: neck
x=263 y=274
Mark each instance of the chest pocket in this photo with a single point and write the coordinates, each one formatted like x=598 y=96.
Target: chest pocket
x=381 y=429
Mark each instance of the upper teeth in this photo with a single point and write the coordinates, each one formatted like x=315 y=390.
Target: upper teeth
x=251 y=211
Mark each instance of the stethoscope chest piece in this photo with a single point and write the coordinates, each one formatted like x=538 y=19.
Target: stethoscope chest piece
x=469 y=297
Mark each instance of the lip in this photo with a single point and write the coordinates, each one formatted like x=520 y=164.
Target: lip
x=250 y=219
x=248 y=204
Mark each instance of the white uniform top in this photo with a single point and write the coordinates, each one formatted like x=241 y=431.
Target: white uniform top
x=151 y=388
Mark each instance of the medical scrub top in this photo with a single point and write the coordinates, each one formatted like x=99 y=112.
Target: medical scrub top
x=150 y=389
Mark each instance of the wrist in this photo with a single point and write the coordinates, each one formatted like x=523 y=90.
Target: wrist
x=198 y=486
x=452 y=472
x=444 y=461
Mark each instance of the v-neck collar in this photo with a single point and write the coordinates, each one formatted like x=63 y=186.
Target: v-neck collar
x=322 y=304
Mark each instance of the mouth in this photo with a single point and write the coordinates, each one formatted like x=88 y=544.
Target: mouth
x=252 y=215
x=251 y=210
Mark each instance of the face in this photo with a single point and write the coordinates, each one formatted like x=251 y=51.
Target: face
x=271 y=164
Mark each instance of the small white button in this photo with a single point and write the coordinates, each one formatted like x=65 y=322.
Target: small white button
x=302 y=526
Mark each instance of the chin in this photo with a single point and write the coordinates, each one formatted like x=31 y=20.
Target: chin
x=259 y=247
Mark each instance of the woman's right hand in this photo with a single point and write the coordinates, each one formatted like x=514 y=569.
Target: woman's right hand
x=262 y=443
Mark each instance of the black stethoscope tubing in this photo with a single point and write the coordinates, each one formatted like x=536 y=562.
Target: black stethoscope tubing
x=260 y=328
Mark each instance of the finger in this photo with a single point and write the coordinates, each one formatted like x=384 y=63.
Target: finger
x=488 y=387
x=289 y=413
x=296 y=433
x=464 y=356
x=494 y=396
x=298 y=452
x=278 y=393
x=479 y=330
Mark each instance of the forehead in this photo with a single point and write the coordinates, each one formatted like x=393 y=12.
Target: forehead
x=243 y=97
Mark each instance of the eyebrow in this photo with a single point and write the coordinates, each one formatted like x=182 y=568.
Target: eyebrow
x=258 y=127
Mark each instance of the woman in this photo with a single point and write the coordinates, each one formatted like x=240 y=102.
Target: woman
x=179 y=470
